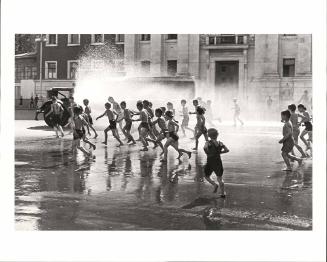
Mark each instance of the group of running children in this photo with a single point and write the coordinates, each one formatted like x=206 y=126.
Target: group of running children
x=168 y=127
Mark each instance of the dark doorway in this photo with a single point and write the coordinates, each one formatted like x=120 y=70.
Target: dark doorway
x=226 y=75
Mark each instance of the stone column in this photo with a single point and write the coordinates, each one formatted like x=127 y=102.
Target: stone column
x=183 y=54
x=271 y=55
x=194 y=55
x=156 y=54
x=303 y=59
x=130 y=53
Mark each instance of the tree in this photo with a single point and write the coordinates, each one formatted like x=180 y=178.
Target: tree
x=24 y=43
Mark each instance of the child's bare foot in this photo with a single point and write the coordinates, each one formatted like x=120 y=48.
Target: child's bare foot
x=287 y=169
x=134 y=143
x=144 y=149
x=94 y=147
x=105 y=143
x=57 y=136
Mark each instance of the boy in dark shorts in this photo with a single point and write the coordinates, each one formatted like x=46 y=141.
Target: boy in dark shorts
x=214 y=148
x=200 y=126
x=144 y=127
x=79 y=132
x=128 y=123
x=288 y=141
x=56 y=110
x=112 y=124
x=87 y=112
x=305 y=120
x=186 y=118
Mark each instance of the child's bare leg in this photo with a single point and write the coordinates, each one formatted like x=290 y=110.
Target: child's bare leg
x=206 y=136
x=294 y=158
x=56 y=130
x=197 y=141
x=78 y=146
x=95 y=132
x=88 y=130
x=142 y=137
x=221 y=185
x=60 y=129
x=183 y=130
x=286 y=160
x=299 y=148
x=106 y=135
x=89 y=142
x=116 y=135
x=167 y=144
x=210 y=180
x=131 y=138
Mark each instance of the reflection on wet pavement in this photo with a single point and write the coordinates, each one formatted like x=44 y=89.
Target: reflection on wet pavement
x=124 y=189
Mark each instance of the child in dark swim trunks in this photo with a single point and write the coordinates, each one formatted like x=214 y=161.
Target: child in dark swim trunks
x=186 y=118
x=288 y=141
x=163 y=129
x=305 y=120
x=56 y=110
x=214 y=148
x=87 y=111
x=172 y=139
x=200 y=126
x=144 y=127
x=128 y=123
x=79 y=131
x=112 y=124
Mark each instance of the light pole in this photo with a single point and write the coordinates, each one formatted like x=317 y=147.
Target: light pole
x=41 y=39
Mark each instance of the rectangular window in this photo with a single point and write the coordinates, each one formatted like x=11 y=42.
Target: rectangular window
x=145 y=66
x=51 y=69
x=97 y=39
x=288 y=67
x=227 y=39
x=171 y=67
x=74 y=39
x=52 y=40
x=28 y=72
x=171 y=37
x=72 y=69
x=120 y=38
x=34 y=72
x=145 y=37
x=212 y=40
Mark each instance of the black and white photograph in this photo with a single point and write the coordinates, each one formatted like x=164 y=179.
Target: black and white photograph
x=149 y=130
x=163 y=132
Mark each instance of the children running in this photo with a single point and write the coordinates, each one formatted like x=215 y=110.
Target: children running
x=237 y=112
x=214 y=148
x=79 y=131
x=56 y=110
x=128 y=123
x=296 y=130
x=112 y=125
x=200 y=126
x=172 y=139
x=186 y=118
x=304 y=115
x=288 y=141
x=87 y=112
x=144 y=127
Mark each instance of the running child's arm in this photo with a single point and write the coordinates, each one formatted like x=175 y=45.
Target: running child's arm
x=224 y=149
x=101 y=115
x=175 y=124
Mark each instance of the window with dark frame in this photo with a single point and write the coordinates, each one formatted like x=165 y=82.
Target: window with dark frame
x=171 y=37
x=98 y=38
x=145 y=65
x=73 y=39
x=171 y=67
x=52 y=70
x=145 y=37
x=288 y=67
x=73 y=66
x=211 y=40
x=52 y=39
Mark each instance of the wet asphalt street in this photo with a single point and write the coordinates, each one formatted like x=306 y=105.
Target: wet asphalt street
x=125 y=189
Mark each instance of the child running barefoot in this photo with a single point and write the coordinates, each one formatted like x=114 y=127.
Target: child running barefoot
x=128 y=123
x=214 y=148
x=172 y=139
x=186 y=118
x=200 y=127
x=79 y=131
x=56 y=110
x=296 y=130
x=144 y=127
x=288 y=141
x=237 y=112
x=308 y=126
x=163 y=129
x=87 y=111
x=112 y=125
